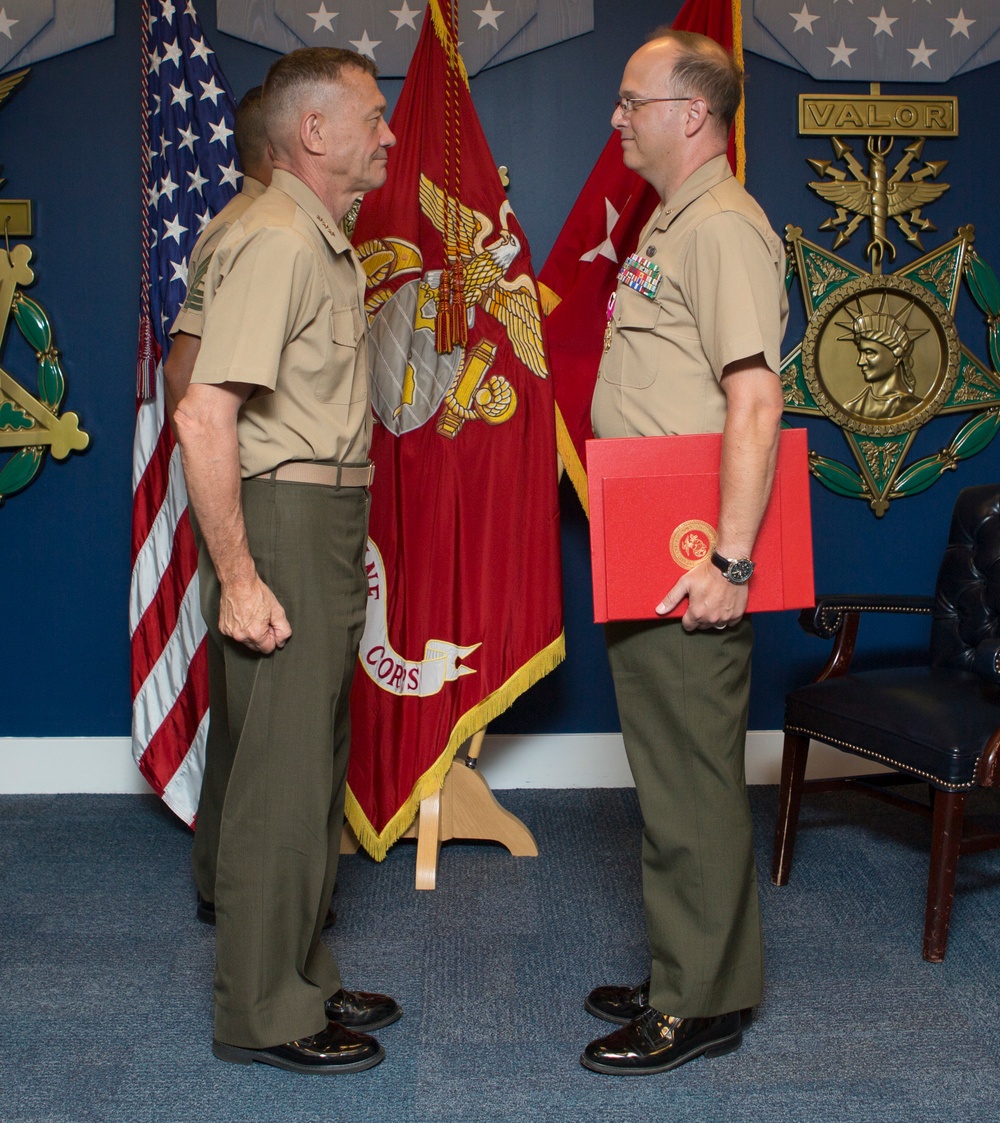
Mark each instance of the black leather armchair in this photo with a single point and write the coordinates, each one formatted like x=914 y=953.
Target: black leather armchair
x=938 y=723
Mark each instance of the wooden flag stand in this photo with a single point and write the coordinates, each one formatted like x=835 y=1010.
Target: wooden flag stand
x=463 y=807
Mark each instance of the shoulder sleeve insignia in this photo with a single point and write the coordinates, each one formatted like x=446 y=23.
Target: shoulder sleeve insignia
x=195 y=299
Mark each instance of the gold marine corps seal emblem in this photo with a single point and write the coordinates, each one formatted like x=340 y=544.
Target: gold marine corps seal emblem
x=691 y=542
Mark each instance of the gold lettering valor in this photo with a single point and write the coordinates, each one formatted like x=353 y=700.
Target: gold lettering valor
x=850 y=115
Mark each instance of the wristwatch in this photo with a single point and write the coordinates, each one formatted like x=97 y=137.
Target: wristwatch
x=737 y=571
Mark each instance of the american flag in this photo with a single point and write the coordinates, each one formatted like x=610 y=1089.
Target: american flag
x=189 y=167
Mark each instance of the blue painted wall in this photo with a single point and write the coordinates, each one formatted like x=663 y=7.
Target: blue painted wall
x=69 y=140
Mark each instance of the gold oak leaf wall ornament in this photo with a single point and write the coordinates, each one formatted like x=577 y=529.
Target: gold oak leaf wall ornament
x=881 y=356
x=30 y=422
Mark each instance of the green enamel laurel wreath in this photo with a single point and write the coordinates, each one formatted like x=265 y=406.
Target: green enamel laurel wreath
x=23 y=466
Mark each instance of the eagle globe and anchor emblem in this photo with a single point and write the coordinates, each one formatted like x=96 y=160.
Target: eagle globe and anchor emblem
x=412 y=378
x=881 y=355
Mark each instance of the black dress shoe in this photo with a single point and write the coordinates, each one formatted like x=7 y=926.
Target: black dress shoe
x=332 y=1050
x=618 y=1004
x=357 y=1009
x=656 y=1042
x=205 y=912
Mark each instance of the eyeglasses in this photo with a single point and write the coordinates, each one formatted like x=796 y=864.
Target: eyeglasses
x=628 y=104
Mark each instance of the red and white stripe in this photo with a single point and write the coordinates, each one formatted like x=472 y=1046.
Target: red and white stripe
x=169 y=653
x=169 y=659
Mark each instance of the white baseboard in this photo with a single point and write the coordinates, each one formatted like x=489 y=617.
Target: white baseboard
x=50 y=765
x=62 y=765
x=597 y=760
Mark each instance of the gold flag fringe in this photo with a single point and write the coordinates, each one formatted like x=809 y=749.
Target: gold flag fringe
x=571 y=462
x=377 y=845
x=741 y=116
x=549 y=301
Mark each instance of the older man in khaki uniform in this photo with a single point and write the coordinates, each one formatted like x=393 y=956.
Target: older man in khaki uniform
x=692 y=346
x=250 y=136
x=274 y=433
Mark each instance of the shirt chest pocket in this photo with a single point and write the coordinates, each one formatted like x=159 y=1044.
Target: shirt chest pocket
x=345 y=326
x=632 y=360
x=343 y=370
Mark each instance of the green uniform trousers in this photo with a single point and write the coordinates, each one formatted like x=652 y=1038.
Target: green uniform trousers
x=682 y=699
x=218 y=761
x=288 y=721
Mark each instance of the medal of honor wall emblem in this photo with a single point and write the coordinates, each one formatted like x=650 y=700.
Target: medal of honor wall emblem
x=881 y=356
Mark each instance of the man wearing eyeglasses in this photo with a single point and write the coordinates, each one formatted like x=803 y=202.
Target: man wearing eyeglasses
x=692 y=346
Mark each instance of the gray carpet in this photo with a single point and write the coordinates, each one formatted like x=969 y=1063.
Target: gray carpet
x=105 y=977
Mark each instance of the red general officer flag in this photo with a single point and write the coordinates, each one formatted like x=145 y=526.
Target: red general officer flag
x=464 y=592
x=602 y=229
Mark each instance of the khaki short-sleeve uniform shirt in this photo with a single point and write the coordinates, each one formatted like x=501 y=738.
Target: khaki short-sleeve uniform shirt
x=192 y=314
x=720 y=298
x=284 y=312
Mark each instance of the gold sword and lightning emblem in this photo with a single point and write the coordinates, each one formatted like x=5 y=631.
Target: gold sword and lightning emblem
x=878 y=196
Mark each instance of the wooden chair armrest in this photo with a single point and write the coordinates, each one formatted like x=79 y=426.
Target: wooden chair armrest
x=838 y=617
x=825 y=620
x=988 y=769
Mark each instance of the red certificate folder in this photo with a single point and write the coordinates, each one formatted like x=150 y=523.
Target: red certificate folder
x=654 y=510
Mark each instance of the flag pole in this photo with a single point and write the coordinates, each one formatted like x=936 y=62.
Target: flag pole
x=145 y=386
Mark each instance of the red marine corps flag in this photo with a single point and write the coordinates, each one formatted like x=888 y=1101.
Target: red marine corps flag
x=602 y=229
x=464 y=594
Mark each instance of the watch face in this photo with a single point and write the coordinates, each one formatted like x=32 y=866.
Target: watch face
x=740 y=571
